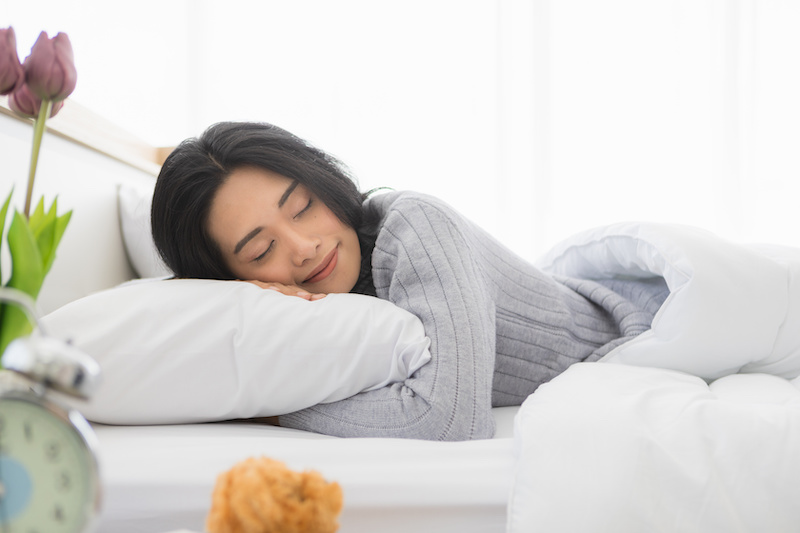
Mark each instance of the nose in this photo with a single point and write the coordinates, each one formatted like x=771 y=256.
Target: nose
x=301 y=246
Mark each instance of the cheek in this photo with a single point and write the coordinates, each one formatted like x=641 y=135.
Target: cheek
x=273 y=273
x=329 y=223
x=354 y=267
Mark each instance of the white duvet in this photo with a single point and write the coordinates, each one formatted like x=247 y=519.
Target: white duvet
x=697 y=426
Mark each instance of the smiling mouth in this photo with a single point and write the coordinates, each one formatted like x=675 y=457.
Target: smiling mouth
x=325 y=268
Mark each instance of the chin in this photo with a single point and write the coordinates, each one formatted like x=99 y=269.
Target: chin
x=338 y=284
x=335 y=287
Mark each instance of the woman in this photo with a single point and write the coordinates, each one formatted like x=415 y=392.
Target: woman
x=253 y=202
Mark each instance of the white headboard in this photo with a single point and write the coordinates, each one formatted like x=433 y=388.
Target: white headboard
x=91 y=255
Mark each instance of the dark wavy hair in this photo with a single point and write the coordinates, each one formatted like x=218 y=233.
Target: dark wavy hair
x=194 y=171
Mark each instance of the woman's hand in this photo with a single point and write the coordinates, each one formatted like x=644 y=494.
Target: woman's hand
x=289 y=290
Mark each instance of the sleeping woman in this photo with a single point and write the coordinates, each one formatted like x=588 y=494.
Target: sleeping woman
x=252 y=202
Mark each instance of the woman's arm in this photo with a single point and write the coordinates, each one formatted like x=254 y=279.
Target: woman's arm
x=422 y=262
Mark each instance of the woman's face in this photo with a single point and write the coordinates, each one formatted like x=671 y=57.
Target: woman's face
x=272 y=229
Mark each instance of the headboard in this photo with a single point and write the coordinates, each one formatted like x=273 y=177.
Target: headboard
x=91 y=255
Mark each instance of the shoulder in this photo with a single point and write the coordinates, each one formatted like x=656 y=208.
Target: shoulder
x=407 y=204
x=406 y=217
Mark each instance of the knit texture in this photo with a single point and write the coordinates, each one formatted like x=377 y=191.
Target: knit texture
x=499 y=327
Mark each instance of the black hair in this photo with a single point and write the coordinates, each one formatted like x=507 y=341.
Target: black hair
x=194 y=171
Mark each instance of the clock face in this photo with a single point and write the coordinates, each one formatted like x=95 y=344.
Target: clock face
x=48 y=475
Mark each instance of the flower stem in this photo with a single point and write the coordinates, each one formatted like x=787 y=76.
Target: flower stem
x=38 y=132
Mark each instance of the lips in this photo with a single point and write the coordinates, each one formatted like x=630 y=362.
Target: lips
x=325 y=268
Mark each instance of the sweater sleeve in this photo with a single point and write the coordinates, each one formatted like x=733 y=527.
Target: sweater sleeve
x=422 y=263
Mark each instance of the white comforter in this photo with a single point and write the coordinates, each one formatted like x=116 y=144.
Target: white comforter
x=697 y=428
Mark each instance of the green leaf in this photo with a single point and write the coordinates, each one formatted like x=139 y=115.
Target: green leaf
x=61 y=225
x=45 y=234
x=60 y=228
x=3 y=212
x=15 y=324
x=27 y=275
x=36 y=218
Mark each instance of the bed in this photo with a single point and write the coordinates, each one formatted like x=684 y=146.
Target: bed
x=694 y=428
x=161 y=477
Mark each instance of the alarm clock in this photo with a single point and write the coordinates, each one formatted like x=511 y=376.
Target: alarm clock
x=49 y=475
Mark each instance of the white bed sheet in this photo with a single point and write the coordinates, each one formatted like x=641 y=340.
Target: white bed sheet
x=160 y=478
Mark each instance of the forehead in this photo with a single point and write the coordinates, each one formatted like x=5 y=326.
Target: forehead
x=253 y=180
x=243 y=200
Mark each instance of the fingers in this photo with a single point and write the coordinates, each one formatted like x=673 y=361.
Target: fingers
x=288 y=290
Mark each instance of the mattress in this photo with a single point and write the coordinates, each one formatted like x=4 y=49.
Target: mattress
x=160 y=478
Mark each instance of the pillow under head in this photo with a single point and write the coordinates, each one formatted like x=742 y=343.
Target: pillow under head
x=184 y=350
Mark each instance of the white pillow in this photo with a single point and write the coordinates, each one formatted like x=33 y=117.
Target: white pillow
x=134 y=218
x=179 y=351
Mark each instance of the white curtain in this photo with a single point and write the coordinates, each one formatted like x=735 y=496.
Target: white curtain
x=536 y=118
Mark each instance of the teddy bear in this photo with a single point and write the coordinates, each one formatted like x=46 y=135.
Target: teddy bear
x=262 y=495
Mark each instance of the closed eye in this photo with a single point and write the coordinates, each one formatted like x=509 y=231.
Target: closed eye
x=263 y=255
x=298 y=215
x=306 y=208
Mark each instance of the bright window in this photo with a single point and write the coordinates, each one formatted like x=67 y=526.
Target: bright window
x=535 y=118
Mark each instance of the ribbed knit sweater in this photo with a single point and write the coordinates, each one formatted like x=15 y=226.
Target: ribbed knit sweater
x=499 y=327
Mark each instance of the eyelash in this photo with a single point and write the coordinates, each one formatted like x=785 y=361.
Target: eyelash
x=306 y=208
x=263 y=255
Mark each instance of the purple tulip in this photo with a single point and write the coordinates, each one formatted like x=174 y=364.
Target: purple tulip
x=50 y=69
x=11 y=73
x=24 y=102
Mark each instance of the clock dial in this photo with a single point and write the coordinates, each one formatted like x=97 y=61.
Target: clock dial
x=47 y=473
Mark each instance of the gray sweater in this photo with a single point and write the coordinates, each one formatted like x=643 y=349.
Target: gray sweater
x=499 y=327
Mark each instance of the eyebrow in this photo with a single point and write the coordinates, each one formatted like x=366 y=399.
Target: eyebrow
x=289 y=190
x=247 y=238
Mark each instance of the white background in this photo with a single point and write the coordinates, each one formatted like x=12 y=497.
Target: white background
x=536 y=118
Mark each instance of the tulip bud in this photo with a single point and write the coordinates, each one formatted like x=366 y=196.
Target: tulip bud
x=11 y=73
x=23 y=102
x=50 y=69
